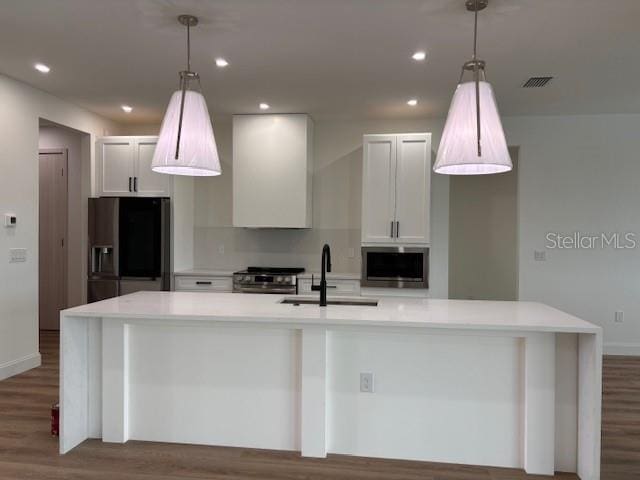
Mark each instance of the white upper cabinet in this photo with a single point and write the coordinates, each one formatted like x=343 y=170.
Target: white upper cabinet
x=123 y=168
x=115 y=167
x=413 y=192
x=379 y=188
x=396 y=189
x=148 y=182
x=272 y=170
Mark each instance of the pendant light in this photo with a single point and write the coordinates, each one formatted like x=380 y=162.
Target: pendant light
x=473 y=141
x=186 y=145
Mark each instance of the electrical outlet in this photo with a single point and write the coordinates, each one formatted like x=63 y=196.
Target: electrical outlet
x=619 y=317
x=540 y=255
x=366 y=382
x=351 y=252
x=17 y=255
x=221 y=249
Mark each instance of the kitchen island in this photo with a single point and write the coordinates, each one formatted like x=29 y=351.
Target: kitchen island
x=513 y=384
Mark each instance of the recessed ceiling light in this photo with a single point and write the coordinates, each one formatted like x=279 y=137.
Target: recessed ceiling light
x=419 y=56
x=413 y=102
x=221 y=62
x=264 y=106
x=41 y=67
x=127 y=108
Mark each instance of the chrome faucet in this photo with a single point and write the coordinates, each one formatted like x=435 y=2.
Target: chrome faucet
x=326 y=267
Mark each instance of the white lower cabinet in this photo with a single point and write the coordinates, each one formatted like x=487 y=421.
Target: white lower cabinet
x=204 y=284
x=335 y=287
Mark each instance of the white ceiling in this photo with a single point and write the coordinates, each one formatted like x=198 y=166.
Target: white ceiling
x=325 y=57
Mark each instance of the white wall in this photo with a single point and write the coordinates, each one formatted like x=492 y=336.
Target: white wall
x=78 y=177
x=337 y=187
x=22 y=106
x=581 y=174
x=576 y=173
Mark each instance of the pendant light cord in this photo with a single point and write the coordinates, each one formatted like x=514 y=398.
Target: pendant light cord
x=476 y=76
x=183 y=87
x=189 y=47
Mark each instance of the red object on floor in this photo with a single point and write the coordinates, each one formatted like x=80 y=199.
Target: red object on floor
x=55 y=419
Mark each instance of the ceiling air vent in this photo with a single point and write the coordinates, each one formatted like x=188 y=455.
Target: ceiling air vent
x=537 y=82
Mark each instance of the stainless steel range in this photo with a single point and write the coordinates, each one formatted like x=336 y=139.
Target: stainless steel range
x=267 y=280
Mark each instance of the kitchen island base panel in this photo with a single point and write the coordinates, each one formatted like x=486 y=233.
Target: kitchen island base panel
x=459 y=396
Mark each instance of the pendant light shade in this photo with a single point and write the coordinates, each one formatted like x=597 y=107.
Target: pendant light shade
x=473 y=141
x=186 y=145
x=197 y=152
x=458 y=151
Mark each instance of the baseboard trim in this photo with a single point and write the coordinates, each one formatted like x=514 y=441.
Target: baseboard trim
x=15 y=367
x=626 y=349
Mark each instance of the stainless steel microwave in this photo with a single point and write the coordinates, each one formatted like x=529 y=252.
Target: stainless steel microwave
x=395 y=267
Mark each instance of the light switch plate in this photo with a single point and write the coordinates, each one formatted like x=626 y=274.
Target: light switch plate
x=17 y=255
x=540 y=255
x=10 y=220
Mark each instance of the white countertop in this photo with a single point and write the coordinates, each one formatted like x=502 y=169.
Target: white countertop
x=210 y=272
x=204 y=272
x=390 y=312
x=331 y=275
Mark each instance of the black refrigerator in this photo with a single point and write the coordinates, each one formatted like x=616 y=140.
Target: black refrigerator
x=129 y=246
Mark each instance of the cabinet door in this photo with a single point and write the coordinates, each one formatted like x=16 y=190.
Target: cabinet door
x=115 y=167
x=147 y=182
x=413 y=181
x=378 y=188
x=335 y=288
x=206 y=284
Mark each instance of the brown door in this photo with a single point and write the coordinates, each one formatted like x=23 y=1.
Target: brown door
x=53 y=241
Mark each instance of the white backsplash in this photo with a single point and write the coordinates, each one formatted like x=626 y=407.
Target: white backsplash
x=229 y=248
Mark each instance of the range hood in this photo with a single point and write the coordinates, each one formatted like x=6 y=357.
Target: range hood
x=272 y=170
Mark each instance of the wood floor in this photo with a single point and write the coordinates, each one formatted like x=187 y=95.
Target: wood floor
x=27 y=451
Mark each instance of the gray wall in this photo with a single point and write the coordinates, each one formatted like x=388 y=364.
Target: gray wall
x=483 y=235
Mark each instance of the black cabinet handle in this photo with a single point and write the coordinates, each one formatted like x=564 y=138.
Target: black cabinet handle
x=203 y=283
x=129 y=183
x=135 y=184
x=397 y=229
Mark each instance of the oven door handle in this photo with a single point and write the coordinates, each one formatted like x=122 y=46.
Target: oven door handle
x=264 y=290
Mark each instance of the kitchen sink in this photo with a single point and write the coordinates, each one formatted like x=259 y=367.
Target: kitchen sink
x=355 y=302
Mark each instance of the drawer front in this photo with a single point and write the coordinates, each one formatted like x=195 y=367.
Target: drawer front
x=334 y=287
x=204 y=284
